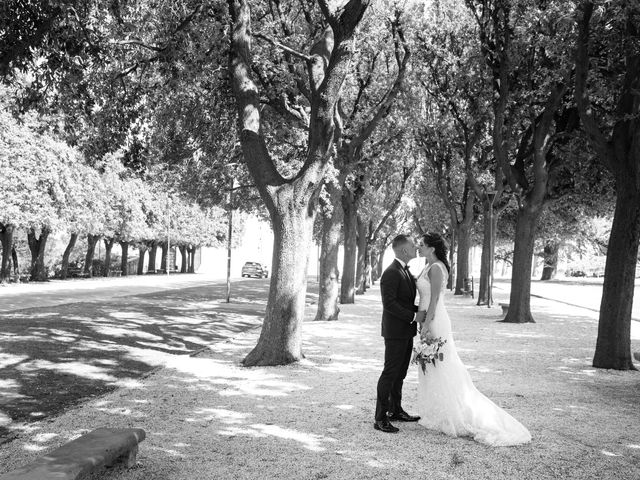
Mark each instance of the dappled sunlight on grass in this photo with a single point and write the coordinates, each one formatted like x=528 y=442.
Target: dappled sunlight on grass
x=224 y=415
x=307 y=440
x=7 y=360
x=71 y=368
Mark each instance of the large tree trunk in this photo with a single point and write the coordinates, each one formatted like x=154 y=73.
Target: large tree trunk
x=124 y=246
x=14 y=258
x=142 y=250
x=37 y=247
x=619 y=152
x=185 y=258
x=348 y=277
x=92 y=240
x=613 y=347
x=520 y=299
x=550 y=255
x=64 y=268
x=151 y=267
x=462 y=267
x=280 y=341
x=329 y=287
x=360 y=284
x=192 y=259
x=108 y=246
x=163 y=260
x=6 y=236
x=486 y=258
x=379 y=263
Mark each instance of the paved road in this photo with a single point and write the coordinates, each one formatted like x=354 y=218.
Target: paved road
x=58 y=292
x=582 y=293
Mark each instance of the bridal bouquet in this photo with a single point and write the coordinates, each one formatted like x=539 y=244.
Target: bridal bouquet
x=428 y=351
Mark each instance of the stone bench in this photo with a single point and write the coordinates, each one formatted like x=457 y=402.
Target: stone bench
x=101 y=447
x=505 y=308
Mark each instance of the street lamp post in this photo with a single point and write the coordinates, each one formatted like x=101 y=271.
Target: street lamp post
x=491 y=195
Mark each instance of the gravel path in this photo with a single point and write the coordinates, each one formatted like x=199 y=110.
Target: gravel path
x=207 y=417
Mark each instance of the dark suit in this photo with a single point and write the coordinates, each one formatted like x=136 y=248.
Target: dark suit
x=398 y=289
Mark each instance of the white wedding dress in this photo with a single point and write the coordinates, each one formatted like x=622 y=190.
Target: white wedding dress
x=447 y=399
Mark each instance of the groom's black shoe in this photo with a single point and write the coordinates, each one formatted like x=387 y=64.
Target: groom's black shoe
x=385 y=426
x=403 y=416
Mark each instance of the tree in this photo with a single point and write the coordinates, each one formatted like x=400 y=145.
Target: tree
x=609 y=39
x=291 y=201
x=374 y=91
x=32 y=167
x=530 y=74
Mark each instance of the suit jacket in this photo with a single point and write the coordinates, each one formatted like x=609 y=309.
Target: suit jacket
x=398 y=289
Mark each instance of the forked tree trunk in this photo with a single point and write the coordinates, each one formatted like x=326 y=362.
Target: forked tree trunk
x=329 y=286
x=520 y=299
x=37 y=246
x=6 y=236
x=92 y=240
x=64 y=268
x=291 y=202
x=142 y=250
x=348 y=277
x=550 y=255
x=124 y=246
x=185 y=258
x=108 y=246
x=531 y=205
x=280 y=341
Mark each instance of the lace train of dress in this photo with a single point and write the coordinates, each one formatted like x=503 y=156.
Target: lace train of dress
x=448 y=401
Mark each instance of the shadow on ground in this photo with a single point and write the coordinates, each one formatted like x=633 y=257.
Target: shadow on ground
x=52 y=358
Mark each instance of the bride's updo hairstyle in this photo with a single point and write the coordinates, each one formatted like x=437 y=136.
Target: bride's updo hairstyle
x=436 y=241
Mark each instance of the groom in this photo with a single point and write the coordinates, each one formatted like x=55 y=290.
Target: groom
x=398 y=289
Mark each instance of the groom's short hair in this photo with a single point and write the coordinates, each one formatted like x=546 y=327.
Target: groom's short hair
x=399 y=241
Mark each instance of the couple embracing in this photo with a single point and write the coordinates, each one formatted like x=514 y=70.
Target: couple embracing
x=447 y=399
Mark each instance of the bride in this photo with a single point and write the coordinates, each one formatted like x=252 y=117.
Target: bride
x=447 y=399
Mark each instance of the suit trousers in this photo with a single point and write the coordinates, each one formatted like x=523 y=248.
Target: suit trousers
x=397 y=355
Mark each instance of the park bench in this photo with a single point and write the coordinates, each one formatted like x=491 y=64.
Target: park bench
x=505 y=308
x=103 y=447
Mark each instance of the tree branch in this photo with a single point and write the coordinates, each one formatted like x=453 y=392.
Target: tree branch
x=283 y=47
x=597 y=138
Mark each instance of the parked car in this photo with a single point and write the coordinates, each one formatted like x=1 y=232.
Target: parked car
x=575 y=273
x=255 y=269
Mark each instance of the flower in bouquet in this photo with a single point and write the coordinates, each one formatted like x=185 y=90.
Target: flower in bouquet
x=428 y=351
